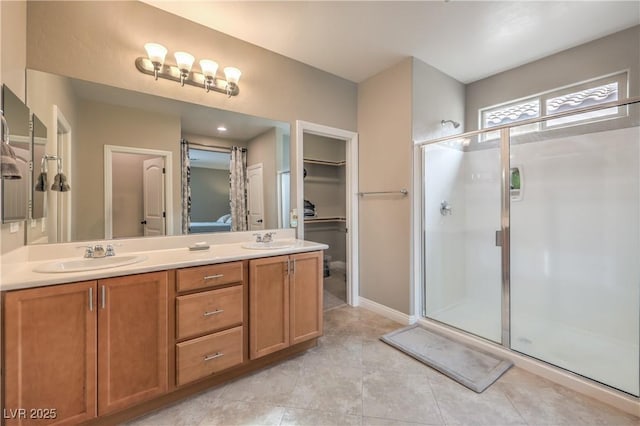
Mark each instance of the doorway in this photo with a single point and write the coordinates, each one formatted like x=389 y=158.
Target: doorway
x=137 y=192
x=327 y=205
x=255 y=197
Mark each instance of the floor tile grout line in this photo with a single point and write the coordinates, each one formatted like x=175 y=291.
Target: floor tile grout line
x=515 y=408
x=433 y=394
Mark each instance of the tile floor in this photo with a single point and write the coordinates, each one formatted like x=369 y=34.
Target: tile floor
x=335 y=289
x=352 y=378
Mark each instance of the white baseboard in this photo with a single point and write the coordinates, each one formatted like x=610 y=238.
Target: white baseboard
x=569 y=380
x=386 y=312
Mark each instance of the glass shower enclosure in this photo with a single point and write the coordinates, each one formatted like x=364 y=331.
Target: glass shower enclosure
x=532 y=239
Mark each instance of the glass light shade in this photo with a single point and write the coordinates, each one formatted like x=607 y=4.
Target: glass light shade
x=184 y=60
x=232 y=74
x=209 y=68
x=156 y=52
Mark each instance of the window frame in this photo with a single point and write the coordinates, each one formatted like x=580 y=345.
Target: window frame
x=619 y=77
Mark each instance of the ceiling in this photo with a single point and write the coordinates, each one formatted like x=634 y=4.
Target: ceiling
x=468 y=40
x=195 y=119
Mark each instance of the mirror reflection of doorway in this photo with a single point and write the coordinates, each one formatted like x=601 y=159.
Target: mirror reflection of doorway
x=138 y=195
x=137 y=191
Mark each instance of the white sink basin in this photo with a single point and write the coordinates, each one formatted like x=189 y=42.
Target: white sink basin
x=89 y=264
x=272 y=245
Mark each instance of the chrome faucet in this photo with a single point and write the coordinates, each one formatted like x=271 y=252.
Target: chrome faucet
x=266 y=238
x=98 y=251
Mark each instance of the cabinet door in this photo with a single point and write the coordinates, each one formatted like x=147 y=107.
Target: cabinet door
x=306 y=296
x=50 y=355
x=268 y=305
x=132 y=340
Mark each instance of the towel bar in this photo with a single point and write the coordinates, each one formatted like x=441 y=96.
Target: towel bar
x=403 y=191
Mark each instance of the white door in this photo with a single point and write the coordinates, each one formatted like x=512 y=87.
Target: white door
x=153 y=190
x=255 y=197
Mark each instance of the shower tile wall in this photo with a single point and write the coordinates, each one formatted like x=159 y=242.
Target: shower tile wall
x=575 y=245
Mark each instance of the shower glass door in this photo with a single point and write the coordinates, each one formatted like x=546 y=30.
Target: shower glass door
x=462 y=208
x=575 y=245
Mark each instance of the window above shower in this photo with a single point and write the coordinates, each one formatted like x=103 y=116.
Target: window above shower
x=575 y=96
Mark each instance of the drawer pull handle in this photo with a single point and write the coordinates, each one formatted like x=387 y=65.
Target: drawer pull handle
x=217 y=311
x=213 y=277
x=213 y=356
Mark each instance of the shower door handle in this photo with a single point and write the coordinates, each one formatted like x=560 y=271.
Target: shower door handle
x=498 y=238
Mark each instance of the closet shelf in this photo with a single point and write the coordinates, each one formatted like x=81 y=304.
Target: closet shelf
x=325 y=219
x=324 y=162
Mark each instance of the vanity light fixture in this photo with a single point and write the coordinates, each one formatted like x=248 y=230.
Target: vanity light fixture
x=209 y=69
x=221 y=129
x=156 y=53
x=183 y=73
x=185 y=62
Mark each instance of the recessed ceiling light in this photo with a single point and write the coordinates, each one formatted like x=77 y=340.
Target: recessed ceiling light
x=222 y=129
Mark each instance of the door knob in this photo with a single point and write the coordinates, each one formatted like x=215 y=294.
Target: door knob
x=144 y=222
x=259 y=221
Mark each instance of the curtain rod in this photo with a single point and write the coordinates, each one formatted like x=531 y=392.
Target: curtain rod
x=211 y=147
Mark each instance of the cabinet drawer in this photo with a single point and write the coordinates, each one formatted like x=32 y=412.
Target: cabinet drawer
x=209 y=276
x=208 y=311
x=207 y=355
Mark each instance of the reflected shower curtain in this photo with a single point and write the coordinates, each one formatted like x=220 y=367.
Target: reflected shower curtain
x=186 y=186
x=238 y=189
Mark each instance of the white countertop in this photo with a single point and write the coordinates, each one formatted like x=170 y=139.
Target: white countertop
x=21 y=275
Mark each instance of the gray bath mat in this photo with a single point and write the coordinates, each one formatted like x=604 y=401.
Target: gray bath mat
x=468 y=366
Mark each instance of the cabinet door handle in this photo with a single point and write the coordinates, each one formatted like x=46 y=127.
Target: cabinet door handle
x=91 y=299
x=288 y=266
x=213 y=356
x=103 y=298
x=293 y=267
x=209 y=313
x=213 y=277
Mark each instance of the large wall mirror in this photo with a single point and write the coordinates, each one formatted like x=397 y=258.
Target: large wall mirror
x=126 y=162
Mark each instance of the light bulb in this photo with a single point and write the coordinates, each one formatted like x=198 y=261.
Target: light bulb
x=185 y=61
x=156 y=52
x=232 y=75
x=209 y=68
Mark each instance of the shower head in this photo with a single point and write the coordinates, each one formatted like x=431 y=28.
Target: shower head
x=455 y=123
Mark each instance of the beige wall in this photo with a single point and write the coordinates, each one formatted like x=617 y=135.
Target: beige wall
x=13 y=23
x=128 y=194
x=616 y=52
x=390 y=117
x=323 y=148
x=102 y=124
x=262 y=149
x=436 y=97
x=384 y=126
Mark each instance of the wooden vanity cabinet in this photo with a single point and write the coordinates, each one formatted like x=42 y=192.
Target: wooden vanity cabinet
x=104 y=351
x=50 y=355
x=285 y=294
x=85 y=349
x=211 y=320
x=132 y=340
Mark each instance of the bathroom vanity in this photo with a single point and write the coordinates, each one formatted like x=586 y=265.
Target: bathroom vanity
x=104 y=346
